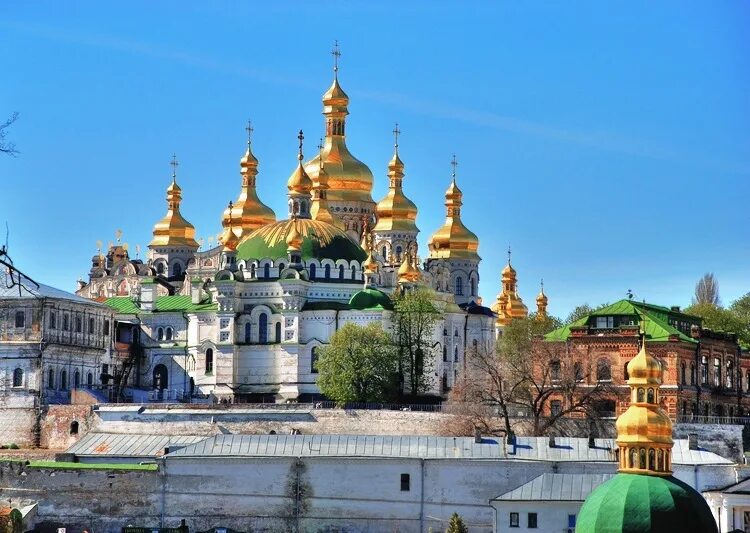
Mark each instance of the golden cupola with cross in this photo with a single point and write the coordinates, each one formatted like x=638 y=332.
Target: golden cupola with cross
x=395 y=212
x=349 y=179
x=541 y=304
x=453 y=240
x=248 y=212
x=509 y=304
x=173 y=229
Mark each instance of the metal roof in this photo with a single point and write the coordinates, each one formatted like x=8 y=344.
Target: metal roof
x=342 y=446
x=25 y=289
x=526 y=448
x=556 y=487
x=128 y=445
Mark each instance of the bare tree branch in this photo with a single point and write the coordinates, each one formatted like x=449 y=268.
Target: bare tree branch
x=5 y=146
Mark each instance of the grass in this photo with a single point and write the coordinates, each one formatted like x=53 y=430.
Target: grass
x=61 y=465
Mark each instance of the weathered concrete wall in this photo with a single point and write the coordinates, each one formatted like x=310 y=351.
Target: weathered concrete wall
x=58 y=425
x=724 y=439
x=17 y=426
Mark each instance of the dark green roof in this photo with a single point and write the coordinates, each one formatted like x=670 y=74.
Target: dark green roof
x=325 y=306
x=656 y=320
x=164 y=304
x=633 y=503
x=370 y=299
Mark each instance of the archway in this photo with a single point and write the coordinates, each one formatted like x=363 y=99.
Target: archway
x=161 y=377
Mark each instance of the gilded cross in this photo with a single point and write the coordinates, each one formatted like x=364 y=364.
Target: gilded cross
x=336 y=55
x=174 y=164
x=301 y=138
x=396 y=133
x=509 y=254
x=118 y=235
x=454 y=164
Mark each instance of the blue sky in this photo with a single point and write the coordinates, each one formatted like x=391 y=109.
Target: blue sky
x=608 y=143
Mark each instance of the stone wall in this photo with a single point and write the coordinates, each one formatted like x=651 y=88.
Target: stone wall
x=59 y=431
x=724 y=439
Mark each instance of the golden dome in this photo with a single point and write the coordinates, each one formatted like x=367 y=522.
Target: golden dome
x=541 y=304
x=173 y=229
x=370 y=265
x=299 y=182
x=407 y=272
x=453 y=239
x=396 y=212
x=248 y=212
x=350 y=180
x=644 y=431
x=294 y=238
x=509 y=304
x=320 y=209
x=228 y=237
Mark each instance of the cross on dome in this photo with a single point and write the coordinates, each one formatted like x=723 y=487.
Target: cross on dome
x=301 y=137
x=396 y=133
x=336 y=53
x=174 y=163
x=249 y=129
x=454 y=164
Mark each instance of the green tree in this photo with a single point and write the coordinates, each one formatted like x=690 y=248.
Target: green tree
x=359 y=365
x=456 y=525
x=719 y=319
x=741 y=309
x=414 y=321
x=579 y=312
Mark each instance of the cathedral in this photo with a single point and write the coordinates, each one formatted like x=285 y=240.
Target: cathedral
x=243 y=320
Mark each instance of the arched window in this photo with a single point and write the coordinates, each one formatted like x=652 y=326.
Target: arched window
x=603 y=370
x=79 y=324
x=176 y=270
x=52 y=320
x=459 y=286
x=633 y=458
x=650 y=396
x=640 y=395
x=444 y=381
x=18 y=377
x=683 y=373
x=89 y=379
x=66 y=323
x=554 y=368
x=384 y=254
x=77 y=380
x=278 y=331
x=578 y=371
x=248 y=332
x=92 y=326
x=281 y=267
x=64 y=380
x=398 y=254
x=74 y=427
x=160 y=334
x=692 y=373
x=209 y=361
x=455 y=354
x=660 y=460
x=160 y=377
x=312 y=271
x=20 y=319
x=625 y=374
x=51 y=378
x=651 y=459
x=263 y=328
x=266 y=271
x=169 y=333
x=475 y=345
x=252 y=271
x=642 y=462
x=445 y=353
x=106 y=327
x=327 y=271
x=747 y=381
x=160 y=268
x=314 y=360
x=354 y=272
x=341 y=271
x=730 y=374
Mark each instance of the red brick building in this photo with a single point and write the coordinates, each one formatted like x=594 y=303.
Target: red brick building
x=706 y=373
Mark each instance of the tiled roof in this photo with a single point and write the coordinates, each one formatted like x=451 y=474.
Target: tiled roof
x=557 y=487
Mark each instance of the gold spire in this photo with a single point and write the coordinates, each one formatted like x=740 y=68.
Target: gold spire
x=541 y=304
x=248 y=212
x=228 y=238
x=396 y=212
x=407 y=272
x=349 y=178
x=299 y=182
x=453 y=239
x=368 y=241
x=320 y=209
x=173 y=229
x=509 y=304
x=644 y=431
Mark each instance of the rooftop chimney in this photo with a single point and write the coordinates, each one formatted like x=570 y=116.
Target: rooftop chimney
x=592 y=442
x=692 y=441
x=551 y=441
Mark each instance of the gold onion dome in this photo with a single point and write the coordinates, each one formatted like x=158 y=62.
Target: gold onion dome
x=509 y=304
x=407 y=272
x=349 y=178
x=396 y=212
x=299 y=182
x=248 y=212
x=294 y=238
x=228 y=237
x=173 y=229
x=453 y=239
x=370 y=265
x=320 y=209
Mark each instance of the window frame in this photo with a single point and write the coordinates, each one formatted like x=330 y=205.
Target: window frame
x=405 y=482
x=514 y=519
x=529 y=521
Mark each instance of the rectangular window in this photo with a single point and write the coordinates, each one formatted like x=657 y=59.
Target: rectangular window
x=106 y=327
x=52 y=320
x=717 y=371
x=224 y=336
x=513 y=520
x=20 y=319
x=405 y=482
x=532 y=521
x=571 y=520
x=605 y=322
x=555 y=407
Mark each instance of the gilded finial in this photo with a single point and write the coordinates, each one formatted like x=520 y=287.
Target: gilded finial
x=249 y=130
x=98 y=247
x=509 y=252
x=301 y=138
x=454 y=164
x=174 y=164
x=396 y=133
x=118 y=235
x=137 y=250
x=542 y=285
x=320 y=153
x=336 y=53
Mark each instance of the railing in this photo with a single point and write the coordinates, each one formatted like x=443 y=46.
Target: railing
x=720 y=420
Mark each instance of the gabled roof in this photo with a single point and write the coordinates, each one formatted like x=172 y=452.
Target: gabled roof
x=164 y=304
x=556 y=487
x=656 y=320
x=25 y=289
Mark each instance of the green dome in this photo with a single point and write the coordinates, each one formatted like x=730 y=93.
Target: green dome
x=320 y=240
x=370 y=299
x=633 y=503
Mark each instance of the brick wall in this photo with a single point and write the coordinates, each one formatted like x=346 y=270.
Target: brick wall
x=58 y=424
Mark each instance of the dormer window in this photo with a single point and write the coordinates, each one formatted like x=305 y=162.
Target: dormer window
x=605 y=322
